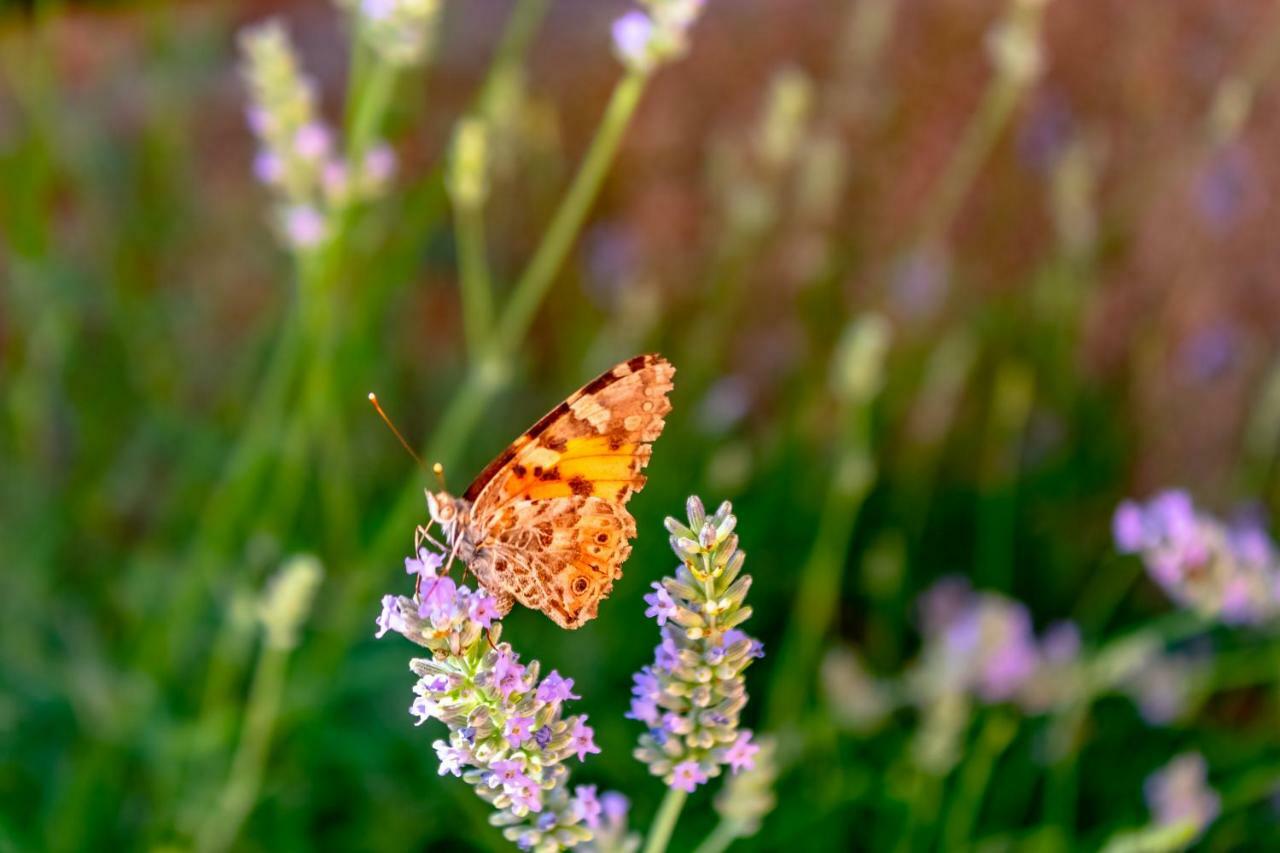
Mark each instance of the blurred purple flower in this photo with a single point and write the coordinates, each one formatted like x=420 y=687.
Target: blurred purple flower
x=1044 y=132
x=741 y=755
x=632 y=37
x=1199 y=562
x=312 y=141
x=378 y=10
x=1210 y=352
x=1061 y=642
x=1179 y=793
x=920 y=280
x=587 y=805
x=268 y=168
x=1222 y=185
x=304 y=226
x=379 y=164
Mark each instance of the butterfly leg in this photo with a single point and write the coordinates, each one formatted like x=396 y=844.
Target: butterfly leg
x=423 y=534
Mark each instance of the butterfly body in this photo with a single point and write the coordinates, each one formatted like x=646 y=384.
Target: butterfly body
x=546 y=523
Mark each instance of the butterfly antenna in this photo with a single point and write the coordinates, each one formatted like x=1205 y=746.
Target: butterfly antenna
x=438 y=470
x=373 y=398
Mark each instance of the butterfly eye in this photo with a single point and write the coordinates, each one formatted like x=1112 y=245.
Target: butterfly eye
x=579 y=585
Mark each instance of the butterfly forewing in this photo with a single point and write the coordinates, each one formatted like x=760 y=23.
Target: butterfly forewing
x=550 y=512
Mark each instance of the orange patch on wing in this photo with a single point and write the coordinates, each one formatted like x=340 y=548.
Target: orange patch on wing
x=588 y=465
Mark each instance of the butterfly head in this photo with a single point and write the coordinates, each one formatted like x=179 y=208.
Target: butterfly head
x=446 y=511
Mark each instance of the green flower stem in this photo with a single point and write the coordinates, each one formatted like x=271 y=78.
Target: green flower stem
x=725 y=833
x=664 y=823
x=1109 y=583
x=477 y=289
x=1068 y=722
x=997 y=733
x=521 y=27
x=1007 y=420
x=571 y=214
x=373 y=99
x=818 y=591
x=240 y=792
x=257 y=442
x=922 y=811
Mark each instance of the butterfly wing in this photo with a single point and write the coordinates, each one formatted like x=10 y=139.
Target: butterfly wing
x=558 y=555
x=583 y=460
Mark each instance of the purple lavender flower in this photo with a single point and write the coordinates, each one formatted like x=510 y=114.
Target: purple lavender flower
x=632 y=37
x=920 y=281
x=587 y=805
x=1226 y=573
x=313 y=141
x=687 y=776
x=741 y=755
x=555 y=689
x=389 y=619
x=1210 y=352
x=483 y=611
x=1128 y=527
x=517 y=730
x=661 y=607
x=508 y=735
x=1179 y=793
x=304 y=226
x=691 y=697
x=424 y=565
x=582 y=738
x=983 y=644
x=378 y=10
x=379 y=164
x=643 y=40
x=1222 y=187
x=268 y=168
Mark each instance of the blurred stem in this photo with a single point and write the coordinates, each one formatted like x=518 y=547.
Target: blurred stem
x=980 y=135
x=1102 y=596
x=664 y=823
x=1011 y=406
x=1253 y=786
x=477 y=288
x=1061 y=781
x=922 y=810
x=997 y=733
x=818 y=589
x=547 y=261
x=725 y=833
x=245 y=778
x=516 y=37
x=257 y=440
x=372 y=100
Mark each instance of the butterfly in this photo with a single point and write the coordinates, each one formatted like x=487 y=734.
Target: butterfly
x=546 y=523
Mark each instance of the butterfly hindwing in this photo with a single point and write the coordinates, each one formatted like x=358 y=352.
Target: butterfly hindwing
x=559 y=555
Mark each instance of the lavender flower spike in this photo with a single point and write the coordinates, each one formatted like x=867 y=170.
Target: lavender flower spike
x=1227 y=572
x=690 y=698
x=508 y=736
